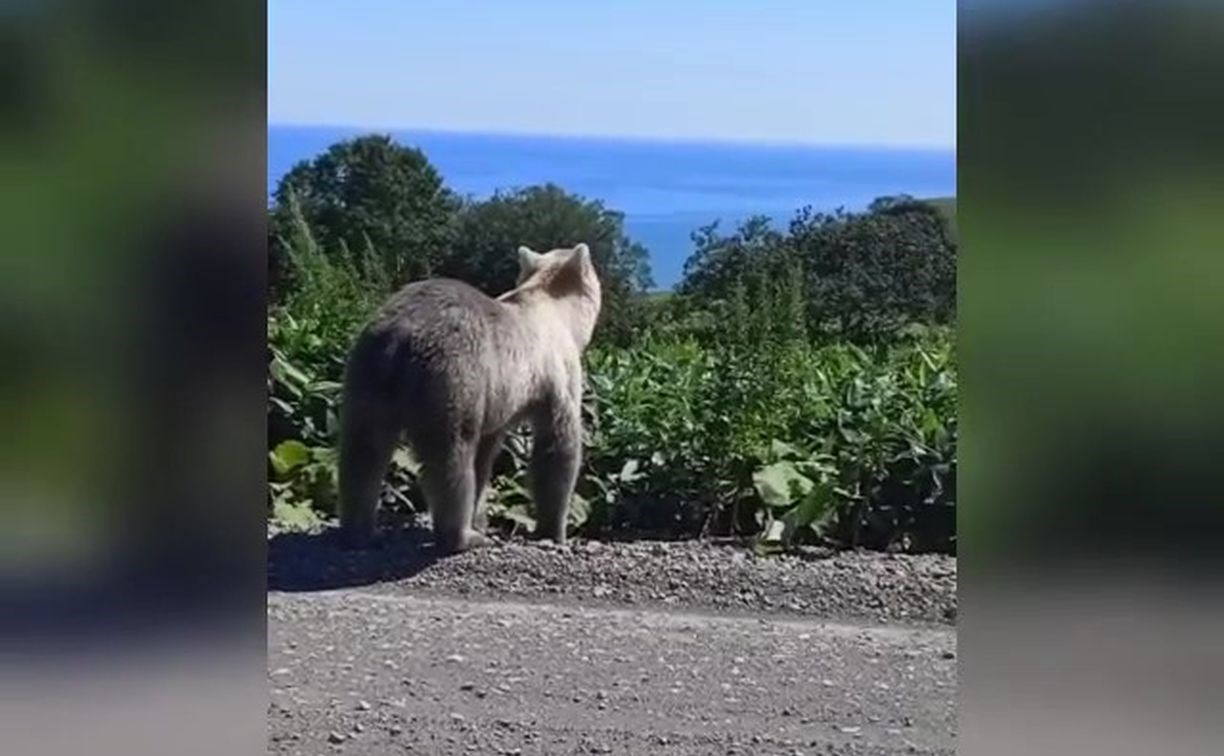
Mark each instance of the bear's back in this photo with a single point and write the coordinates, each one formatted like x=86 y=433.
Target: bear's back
x=427 y=330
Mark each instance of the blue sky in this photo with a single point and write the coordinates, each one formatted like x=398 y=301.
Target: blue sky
x=872 y=72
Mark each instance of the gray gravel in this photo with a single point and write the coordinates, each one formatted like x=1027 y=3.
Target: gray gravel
x=636 y=648
x=360 y=673
x=870 y=587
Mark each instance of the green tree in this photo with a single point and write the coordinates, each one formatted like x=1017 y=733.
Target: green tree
x=719 y=262
x=857 y=275
x=733 y=277
x=869 y=273
x=369 y=193
x=543 y=218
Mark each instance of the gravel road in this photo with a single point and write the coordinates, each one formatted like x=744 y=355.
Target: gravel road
x=676 y=648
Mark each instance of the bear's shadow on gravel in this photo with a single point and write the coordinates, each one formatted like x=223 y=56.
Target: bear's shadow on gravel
x=318 y=562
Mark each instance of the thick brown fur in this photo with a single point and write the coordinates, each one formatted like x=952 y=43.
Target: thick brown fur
x=452 y=370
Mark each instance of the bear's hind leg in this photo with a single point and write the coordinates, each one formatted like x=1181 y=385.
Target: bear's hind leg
x=367 y=441
x=449 y=483
x=486 y=454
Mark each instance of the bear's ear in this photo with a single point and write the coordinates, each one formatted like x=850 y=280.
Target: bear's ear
x=528 y=260
x=577 y=260
x=570 y=276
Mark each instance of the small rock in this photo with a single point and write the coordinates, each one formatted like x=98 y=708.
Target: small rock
x=336 y=737
x=363 y=705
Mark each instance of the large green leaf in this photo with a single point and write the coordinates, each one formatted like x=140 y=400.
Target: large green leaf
x=780 y=450
x=295 y=518
x=579 y=511
x=326 y=387
x=781 y=484
x=813 y=510
x=289 y=375
x=288 y=456
x=285 y=407
x=519 y=515
x=630 y=472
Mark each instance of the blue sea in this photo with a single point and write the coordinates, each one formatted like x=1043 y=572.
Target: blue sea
x=665 y=189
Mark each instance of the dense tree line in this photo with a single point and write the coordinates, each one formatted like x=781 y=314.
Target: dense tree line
x=857 y=276
x=383 y=204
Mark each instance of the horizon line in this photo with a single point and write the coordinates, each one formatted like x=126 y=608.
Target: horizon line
x=674 y=140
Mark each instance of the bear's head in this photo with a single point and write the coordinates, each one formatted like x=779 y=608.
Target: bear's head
x=564 y=277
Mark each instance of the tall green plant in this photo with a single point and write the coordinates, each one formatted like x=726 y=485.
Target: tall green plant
x=309 y=332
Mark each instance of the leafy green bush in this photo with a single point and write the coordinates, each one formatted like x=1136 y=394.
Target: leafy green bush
x=308 y=335
x=794 y=444
x=718 y=435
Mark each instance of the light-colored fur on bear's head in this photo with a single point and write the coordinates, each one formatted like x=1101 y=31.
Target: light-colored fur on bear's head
x=563 y=281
